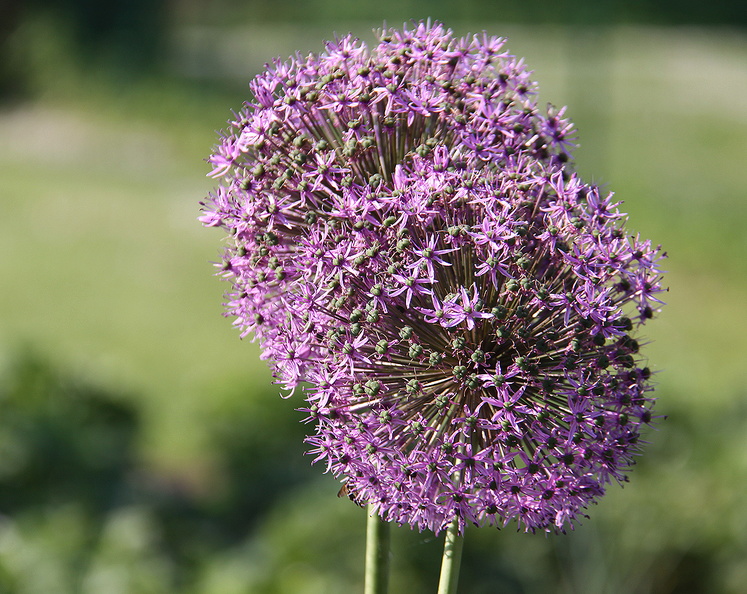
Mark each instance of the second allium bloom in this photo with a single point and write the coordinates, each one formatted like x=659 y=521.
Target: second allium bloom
x=407 y=239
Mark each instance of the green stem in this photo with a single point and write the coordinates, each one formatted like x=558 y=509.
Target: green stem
x=453 y=543
x=377 y=554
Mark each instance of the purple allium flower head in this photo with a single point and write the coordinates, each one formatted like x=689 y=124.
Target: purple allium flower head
x=407 y=240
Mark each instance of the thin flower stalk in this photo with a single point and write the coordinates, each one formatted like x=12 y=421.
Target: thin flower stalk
x=377 y=555
x=451 y=561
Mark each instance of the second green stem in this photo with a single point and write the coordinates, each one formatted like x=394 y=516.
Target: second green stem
x=377 y=554
x=453 y=543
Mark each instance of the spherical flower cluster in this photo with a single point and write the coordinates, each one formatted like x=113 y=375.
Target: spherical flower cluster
x=408 y=242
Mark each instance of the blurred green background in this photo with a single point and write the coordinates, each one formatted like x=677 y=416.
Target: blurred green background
x=143 y=447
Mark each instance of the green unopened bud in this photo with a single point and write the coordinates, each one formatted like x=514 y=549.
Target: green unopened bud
x=478 y=356
x=435 y=358
x=373 y=387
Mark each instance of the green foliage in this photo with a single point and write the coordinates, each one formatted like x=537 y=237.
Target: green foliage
x=83 y=507
x=572 y=12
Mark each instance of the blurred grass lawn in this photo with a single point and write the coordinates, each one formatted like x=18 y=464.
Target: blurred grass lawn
x=106 y=270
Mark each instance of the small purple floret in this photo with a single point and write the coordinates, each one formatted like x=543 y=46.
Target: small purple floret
x=408 y=243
